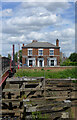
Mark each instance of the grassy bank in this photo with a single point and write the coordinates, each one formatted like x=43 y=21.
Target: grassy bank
x=47 y=73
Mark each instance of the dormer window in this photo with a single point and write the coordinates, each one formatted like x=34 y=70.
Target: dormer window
x=51 y=52
x=29 y=52
x=40 y=52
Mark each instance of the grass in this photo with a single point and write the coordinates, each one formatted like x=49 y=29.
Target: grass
x=47 y=73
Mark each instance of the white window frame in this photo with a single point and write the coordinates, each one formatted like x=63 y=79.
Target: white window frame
x=33 y=62
x=49 y=52
x=28 y=51
x=49 y=61
x=38 y=52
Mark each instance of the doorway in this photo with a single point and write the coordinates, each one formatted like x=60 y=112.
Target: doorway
x=30 y=63
x=40 y=63
x=52 y=62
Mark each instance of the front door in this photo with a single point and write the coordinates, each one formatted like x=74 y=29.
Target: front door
x=40 y=63
x=30 y=63
x=52 y=62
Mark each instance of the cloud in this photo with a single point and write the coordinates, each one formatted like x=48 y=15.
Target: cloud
x=54 y=35
x=31 y=21
x=7 y=12
x=69 y=32
x=45 y=36
x=50 y=6
x=40 y=21
x=39 y=1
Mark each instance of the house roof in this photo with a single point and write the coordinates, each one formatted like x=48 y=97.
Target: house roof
x=40 y=45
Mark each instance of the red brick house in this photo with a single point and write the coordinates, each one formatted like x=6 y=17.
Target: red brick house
x=41 y=54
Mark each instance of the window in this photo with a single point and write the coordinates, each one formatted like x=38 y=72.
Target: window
x=29 y=52
x=51 y=52
x=40 y=52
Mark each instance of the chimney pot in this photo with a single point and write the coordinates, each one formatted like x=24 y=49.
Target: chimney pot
x=34 y=41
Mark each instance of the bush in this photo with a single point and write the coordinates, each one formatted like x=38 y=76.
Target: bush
x=74 y=81
x=73 y=63
x=48 y=70
x=42 y=69
x=68 y=63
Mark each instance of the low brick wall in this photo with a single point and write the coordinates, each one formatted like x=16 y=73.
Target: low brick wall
x=49 y=68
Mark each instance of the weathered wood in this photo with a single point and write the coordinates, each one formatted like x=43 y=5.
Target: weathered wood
x=11 y=100
x=11 y=111
x=39 y=94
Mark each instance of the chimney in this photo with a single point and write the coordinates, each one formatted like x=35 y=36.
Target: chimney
x=23 y=44
x=34 y=41
x=57 y=43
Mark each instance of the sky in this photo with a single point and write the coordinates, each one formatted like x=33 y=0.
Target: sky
x=23 y=22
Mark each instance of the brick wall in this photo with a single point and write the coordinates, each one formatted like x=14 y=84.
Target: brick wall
x=24 y=52
x=35 y=51
x=50 y=68
x=45 y=53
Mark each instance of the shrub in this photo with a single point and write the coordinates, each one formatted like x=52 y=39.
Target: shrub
x=48 y=70
x=74 y=81
x=68 y=63
x=42 y=69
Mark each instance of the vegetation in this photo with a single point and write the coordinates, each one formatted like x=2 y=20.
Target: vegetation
x=71 y=61
x=73 y=57
x=16 y=54
x=68 y=62
x=20 y=56
x=9 y=56
x=74 y=81
x=47 y=74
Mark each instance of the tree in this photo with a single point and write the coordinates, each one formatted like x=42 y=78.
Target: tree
x=66 y=62
x=73 y=57
x=20 y=56
x=9 y=56
x=20 y=52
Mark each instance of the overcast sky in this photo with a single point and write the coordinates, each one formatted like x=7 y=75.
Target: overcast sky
x=23 y=22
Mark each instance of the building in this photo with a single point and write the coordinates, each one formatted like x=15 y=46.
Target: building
x=41 y=54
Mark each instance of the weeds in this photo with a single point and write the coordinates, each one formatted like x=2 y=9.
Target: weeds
x=48 y=74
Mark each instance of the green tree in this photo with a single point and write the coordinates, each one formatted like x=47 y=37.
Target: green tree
x=20 y=56
x=9 y=56
x=66 y=62
x=73 y=57
x=20 y=52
